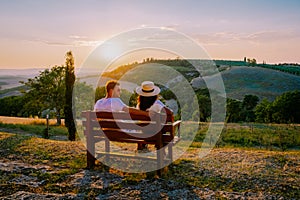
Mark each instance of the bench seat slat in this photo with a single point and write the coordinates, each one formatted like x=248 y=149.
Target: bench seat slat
x=122 y=155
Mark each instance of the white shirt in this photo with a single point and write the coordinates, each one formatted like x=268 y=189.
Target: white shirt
x=157 y=106
x=109 y=105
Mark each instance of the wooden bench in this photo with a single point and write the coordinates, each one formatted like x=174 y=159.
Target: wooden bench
x=159 y=130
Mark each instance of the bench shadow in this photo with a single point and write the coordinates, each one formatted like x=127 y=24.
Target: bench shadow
x=104 y=183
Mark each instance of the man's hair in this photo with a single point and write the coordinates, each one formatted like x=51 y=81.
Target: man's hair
x=110 y=85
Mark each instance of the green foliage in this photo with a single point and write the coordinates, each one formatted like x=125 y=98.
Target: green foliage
x=12 y=106
x=282 y=110
x=263 y=112
x=47 y=91
x=285 y=108
x=100 y=93
x=128 y=98
x=167 y=94
x=248 y=105
x=84 y=97
x=249 y=102
x=204 y=107
x=233 y=110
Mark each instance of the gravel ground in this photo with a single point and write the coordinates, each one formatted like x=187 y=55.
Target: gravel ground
x=103 y=185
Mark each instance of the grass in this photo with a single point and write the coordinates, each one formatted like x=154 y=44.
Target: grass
x=36 y=128
x=239 y=170
x=262 y=136
x=235 y=167
x=37 y=150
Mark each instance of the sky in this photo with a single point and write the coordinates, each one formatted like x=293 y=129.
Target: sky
x=37 y=34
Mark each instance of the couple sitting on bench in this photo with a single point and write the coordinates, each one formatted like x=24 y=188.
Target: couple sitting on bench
x=147 y=101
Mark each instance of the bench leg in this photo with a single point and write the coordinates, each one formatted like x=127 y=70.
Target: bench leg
x=90 y=160
x=160 y=156
x=107 y=150
x=170 y=152
x=159 y=161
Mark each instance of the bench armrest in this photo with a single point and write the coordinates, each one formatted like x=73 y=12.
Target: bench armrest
x=176 y=125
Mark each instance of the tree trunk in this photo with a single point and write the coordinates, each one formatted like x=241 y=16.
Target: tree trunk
x=58 y=119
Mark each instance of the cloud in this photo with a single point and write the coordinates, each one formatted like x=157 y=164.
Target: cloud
x=164 y=27
x=77 y=37
x=85 y=43
x=72 y=40
x=269 y=36
x=224 y=38
x=49 y=42
x=170 y=27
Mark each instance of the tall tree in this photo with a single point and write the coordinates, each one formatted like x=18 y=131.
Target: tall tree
x=83 y=95
x=69 y=82
x=47 y=91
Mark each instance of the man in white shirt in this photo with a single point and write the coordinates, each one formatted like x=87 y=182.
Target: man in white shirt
x=112 y=102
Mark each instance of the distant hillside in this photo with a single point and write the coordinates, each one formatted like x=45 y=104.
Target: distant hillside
x=185 y=67
x=239 y=78
x=10 y=80
x=264 y=80
x=265 y=83
x=10 y=86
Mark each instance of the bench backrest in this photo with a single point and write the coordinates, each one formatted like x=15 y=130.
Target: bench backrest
x=125 y=127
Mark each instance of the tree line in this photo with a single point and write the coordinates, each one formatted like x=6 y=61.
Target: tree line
x=44 y=97
x=48 y=94
x=284 y=109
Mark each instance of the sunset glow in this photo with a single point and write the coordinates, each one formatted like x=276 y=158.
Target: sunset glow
x=38 y=34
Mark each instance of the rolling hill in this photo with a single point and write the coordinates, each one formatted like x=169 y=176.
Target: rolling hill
x=262 y=82
x=238 y=80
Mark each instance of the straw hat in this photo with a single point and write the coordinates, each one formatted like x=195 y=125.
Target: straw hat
x=147 y=89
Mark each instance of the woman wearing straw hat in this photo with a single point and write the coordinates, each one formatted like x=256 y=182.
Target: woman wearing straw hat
x=148 y=101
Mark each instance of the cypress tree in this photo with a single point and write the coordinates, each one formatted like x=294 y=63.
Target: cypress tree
x=70 y=80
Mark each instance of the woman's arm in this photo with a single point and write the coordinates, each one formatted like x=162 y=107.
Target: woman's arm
x=169 y=113
x=135 y=111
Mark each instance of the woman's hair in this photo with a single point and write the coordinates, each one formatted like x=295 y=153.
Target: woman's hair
x=146 y=102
